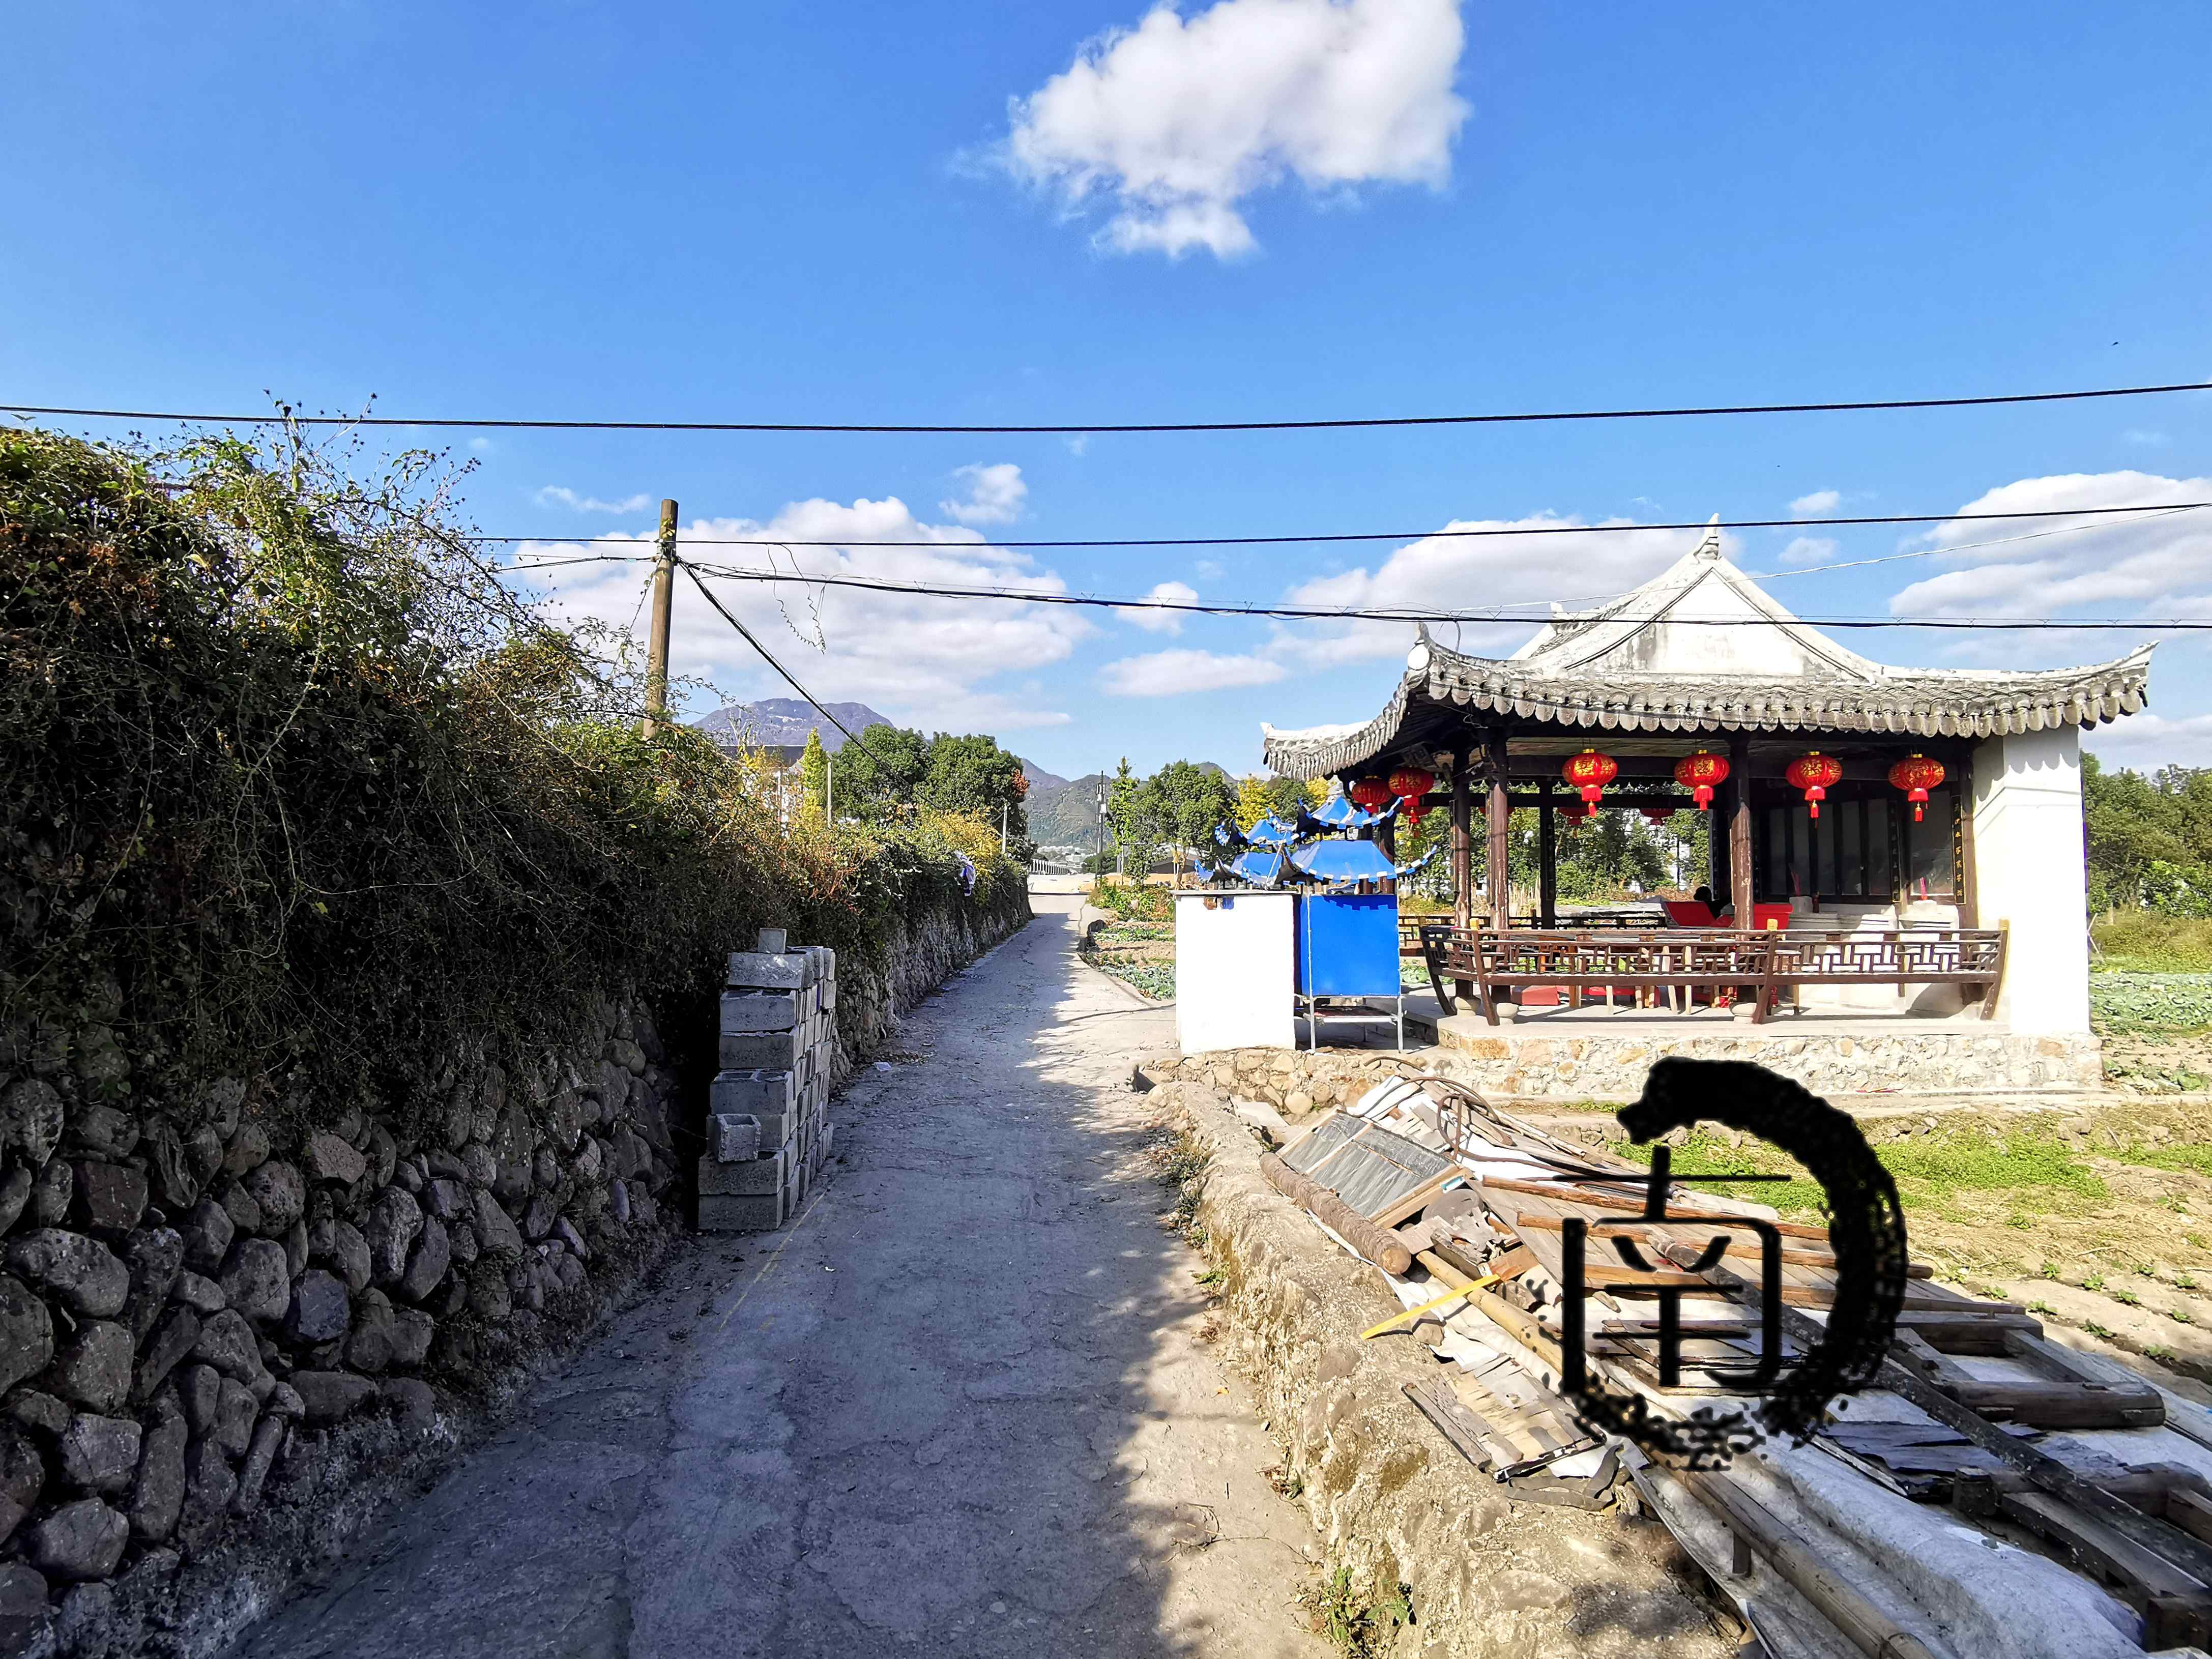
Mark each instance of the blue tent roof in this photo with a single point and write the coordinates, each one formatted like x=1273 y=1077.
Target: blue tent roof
x=1261 y=869
x=1271 y=832
x=1345 y=861
x=1339 y=813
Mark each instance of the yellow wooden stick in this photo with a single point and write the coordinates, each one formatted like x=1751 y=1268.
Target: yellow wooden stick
x=1426 y=1307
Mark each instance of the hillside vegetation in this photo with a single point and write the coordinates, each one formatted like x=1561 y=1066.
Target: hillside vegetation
x=296 y=790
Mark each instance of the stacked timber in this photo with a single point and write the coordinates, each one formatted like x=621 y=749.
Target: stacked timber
x=1990 y=1493
x=770 y=1131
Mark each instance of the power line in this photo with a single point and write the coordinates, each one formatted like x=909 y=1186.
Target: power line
x=706 y=592
x=1071 y=429
x=1407 y=614
x=1472 y=533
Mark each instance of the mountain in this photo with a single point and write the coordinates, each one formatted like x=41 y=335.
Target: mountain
x=1064 y=812
x=1040 y=780
x=784 y=722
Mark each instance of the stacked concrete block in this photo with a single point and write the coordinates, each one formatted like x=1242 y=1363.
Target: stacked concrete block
x=768 y=1135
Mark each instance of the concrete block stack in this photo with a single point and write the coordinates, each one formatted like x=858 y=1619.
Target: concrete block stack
x=768 y=1133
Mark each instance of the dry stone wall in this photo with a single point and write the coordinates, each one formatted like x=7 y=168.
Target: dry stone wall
x=229 y=1325
x=194 y=1303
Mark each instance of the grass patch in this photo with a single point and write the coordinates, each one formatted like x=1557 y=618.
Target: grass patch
x=1357 y=1628
x=1930 y=1171
x=2143 y=941
x=2196 y=1160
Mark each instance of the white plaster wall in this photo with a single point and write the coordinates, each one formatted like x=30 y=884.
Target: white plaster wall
x=2030 y=871
x=1234 y=974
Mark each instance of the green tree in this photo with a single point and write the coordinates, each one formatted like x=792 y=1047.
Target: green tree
x=1253 y=802
x=1129 y=820
x=1285 y=796
x=1185 y=802
x=879 y=774
x=973 y=775
x=814 y=772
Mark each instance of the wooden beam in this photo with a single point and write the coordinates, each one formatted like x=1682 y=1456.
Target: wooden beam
x=1739 y=837
x=1463 y=855
x=1499 y=822
x=1547 y=858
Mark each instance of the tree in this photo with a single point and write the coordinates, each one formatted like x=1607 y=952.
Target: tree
x=1129 y=820
x=1286 y=796
x=1254 y=801
x=875 y=780
x=1185 y=802
x=973 y=775
x=814 y=772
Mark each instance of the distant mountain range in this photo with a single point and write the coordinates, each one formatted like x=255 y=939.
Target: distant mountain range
x=1062 y=811
x=784 y=722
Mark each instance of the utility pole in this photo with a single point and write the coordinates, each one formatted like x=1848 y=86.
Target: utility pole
x=656 y=649
x=830 y=792
x=1003 y=810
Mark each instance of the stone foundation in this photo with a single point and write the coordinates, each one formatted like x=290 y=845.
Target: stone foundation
x=1389 y=1498
x=1509 y=1064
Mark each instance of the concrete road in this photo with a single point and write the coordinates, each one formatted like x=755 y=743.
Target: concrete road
x=963 y=1405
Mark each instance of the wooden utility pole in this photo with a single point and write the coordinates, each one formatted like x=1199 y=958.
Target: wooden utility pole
x=656 y=649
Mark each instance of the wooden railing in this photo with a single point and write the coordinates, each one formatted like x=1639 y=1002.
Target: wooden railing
x=1736 y=963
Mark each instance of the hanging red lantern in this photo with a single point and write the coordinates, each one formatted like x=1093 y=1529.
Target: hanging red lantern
x=1701 y=774
x=1657 y=816
x=1917 y=776
x=1412 y=782
x=1414 y=812
x=1369 y=794
x=1591 y=771
x=1813 y=773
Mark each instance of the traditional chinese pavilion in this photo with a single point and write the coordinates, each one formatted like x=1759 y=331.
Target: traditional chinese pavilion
x=1947 y=798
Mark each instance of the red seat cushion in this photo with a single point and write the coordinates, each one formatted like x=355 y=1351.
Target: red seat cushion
x=1687 y=913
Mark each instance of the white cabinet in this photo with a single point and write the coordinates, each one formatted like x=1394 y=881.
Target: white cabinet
x=1233 y=971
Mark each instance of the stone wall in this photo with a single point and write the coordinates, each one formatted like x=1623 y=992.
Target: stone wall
x=1389 y=1499
x=1510 y=1064
x=229 y=1328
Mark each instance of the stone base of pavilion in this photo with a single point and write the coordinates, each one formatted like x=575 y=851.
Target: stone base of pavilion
x=1596 y=1052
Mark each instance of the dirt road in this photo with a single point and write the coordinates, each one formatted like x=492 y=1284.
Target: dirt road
x=963 y=1405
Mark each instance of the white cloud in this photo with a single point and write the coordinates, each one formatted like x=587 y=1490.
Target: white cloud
x=1810 y=550
x=2149 y=440
x=995 y=495
x=481 y=446
x=1820 y=500
x=2156 y=565
x=1161 y=621
x=1172 y=673
x=1208 y=570
x=1079 y=445
x=2146 y=742
x=557 y=495
x=1174 y=123
x=1476 y=572
x=922 y=660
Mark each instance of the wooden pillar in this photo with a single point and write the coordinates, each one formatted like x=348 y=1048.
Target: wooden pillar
x=1717 y=845
x=1500 y=815
x=1463 y=855
x=1968 y=878
x=1462 y=846
x=1547 y=858
x=1739 y=835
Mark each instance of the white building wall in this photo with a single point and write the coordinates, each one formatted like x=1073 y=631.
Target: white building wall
x=2029 y=872
x=1234 y=972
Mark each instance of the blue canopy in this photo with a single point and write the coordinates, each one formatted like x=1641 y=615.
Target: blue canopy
x=1345 y=861
x=1261 y=869
x=1271 y=832
x=1339 y=813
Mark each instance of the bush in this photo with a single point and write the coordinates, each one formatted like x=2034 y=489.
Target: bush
x=297 y=791
x=2148 y=941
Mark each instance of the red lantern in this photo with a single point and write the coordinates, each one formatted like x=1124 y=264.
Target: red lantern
x=1701 y=774
x=1411 y=782
x=1657 y=816
x=1917 y=777
x=1369 y=794
x=1414 y=812
x=1813 y=773
x=1591 y=771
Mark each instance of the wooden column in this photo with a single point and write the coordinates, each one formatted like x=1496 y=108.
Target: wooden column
x=1739 y=835
x=1968 y=878
x=1717 y=845
x=1547 y=858
x=1500 y=817
x=1462 y=845
x=1463 y=855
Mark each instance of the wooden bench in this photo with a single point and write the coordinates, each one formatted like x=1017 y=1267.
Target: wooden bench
x=1756 y=964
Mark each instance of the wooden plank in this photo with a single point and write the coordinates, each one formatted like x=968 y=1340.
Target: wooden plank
x=1462 y=1429
x=2098 y=1550
x=1390 y=1215
x=1793 y=1257
x=2192 y=1512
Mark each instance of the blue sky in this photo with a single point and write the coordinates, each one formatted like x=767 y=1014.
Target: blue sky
x=1262 y=209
